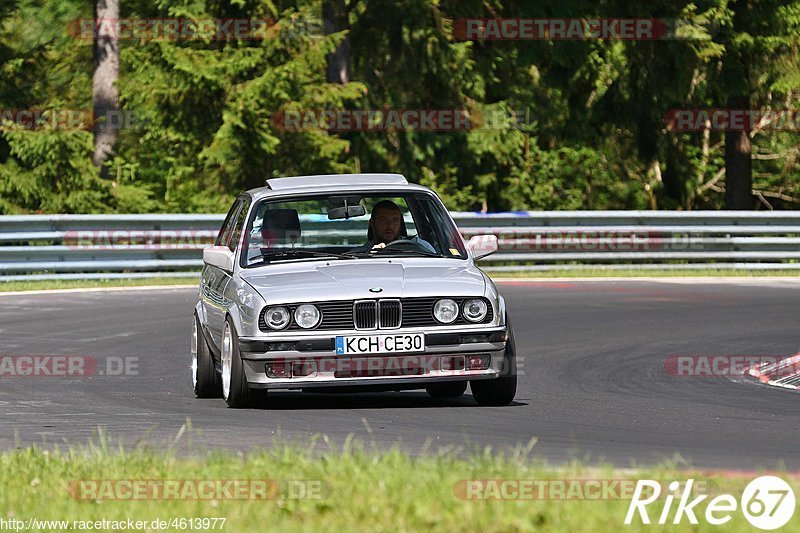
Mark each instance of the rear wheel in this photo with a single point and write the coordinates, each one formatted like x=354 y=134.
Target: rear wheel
x=205 y=379
x=453 y=389
x=235 y=389
x=501 y=390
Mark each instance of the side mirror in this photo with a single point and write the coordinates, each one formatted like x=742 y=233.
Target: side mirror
x=220 y=257
x=481 y=246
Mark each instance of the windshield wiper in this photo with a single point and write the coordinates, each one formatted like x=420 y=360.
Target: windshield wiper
x=285 y=254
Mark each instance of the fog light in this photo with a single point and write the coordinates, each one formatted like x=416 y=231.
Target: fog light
x=278 y=370
x=478 y=362
x=303 y=369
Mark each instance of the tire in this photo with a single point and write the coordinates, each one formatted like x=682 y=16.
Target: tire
x=205 y=379
x=453 y=389
x=501 y=390
x=235 y=389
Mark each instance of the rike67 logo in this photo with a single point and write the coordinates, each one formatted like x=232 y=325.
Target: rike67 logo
x=767 y=503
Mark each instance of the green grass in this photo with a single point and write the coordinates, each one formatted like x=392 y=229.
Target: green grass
x=362 y=490
x=11 y=286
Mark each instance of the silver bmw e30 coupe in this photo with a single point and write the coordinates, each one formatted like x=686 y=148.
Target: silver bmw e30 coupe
x=348 y=282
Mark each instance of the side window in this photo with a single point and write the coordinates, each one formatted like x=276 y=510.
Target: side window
x=443 y=230
x=239 y=224
x=224 y=236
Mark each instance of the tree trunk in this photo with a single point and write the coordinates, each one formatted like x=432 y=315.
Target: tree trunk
x=105 y=96
x=738 y=163
x=674 y=175
x=335 y=19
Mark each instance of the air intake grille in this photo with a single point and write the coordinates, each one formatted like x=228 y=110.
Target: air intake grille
x=365 y=314
x=390 y=314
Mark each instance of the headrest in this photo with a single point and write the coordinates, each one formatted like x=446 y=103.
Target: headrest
x=280 y=226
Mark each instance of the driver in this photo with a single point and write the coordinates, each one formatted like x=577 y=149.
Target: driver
x=386 y=225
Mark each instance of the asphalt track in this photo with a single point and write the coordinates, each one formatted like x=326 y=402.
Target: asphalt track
x=593 y=384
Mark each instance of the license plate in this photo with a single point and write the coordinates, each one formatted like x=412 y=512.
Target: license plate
x=399 y=343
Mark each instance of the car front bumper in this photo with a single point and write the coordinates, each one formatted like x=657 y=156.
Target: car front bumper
x=300 y=362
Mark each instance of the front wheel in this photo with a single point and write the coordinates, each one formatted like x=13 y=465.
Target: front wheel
x=205 y=379
x=235 y=389
x=500 y=390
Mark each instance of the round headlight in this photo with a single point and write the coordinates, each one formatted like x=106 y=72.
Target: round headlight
x=475 y=310
x=445 y=311
x=277 y=317
x=307 y=316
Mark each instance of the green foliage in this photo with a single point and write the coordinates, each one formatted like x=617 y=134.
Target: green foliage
x=572 y=179
x=556 y=124
x=52 y=172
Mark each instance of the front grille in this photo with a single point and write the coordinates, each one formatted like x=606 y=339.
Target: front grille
x=365 y=314
x=419 y=312
x=390 y=312
x=335 y=315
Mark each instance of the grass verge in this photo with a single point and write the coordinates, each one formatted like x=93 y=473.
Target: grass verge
x=39 y=285
x=347 y=489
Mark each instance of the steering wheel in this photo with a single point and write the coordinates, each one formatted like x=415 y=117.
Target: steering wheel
x=401 y=241
x=398 y=242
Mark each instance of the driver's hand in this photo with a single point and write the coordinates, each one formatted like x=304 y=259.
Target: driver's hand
x=379 y=246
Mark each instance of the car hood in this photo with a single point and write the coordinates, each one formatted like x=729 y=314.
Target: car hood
x=352 y=280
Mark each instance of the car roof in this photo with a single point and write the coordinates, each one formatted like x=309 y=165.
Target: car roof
x=333 y=183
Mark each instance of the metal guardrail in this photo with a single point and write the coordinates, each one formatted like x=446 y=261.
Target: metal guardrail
x=169 y=245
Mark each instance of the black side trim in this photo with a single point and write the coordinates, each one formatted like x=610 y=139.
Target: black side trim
x=311 y=345
x=442 y=339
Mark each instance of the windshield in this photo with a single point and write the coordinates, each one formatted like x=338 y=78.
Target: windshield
x=351 y=227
